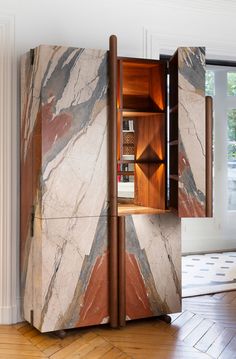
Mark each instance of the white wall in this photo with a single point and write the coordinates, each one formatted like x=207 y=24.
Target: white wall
x=144 y=28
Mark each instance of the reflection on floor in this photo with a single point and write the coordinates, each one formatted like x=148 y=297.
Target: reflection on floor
x=205 y=329
x=208 y=273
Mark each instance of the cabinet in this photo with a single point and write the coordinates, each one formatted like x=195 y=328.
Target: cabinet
x=90 y=121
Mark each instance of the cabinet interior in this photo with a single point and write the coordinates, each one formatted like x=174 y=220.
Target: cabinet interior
x=142 y=136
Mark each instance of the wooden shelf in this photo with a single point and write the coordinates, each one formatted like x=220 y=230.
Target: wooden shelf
x=134 y=113
x=125 y=173
x=140 y=161
x=125 y=209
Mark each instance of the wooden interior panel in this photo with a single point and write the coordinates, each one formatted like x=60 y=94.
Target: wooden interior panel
x=157 y=186
x=119 y=84
x=150 y=185
x=119 y=135
x=125 y=209
x=158 y=78
x=135 y=80
x=144 y=86
x=142 y=91
x=150 y=138
x=150 y=178
x=141 y=178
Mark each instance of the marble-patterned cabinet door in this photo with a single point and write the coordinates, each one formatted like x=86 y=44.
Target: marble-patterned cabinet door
x=187 y=147
x=64 y=117
x=67 y=274
x=64 y=187
x=153 y=265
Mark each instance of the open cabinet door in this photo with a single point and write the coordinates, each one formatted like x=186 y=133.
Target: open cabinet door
x=187 y=132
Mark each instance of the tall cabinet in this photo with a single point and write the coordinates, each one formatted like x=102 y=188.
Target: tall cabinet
x=90 y=254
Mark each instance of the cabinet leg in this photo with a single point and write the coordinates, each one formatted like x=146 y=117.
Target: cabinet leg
x=60 y=334
x=165 y=318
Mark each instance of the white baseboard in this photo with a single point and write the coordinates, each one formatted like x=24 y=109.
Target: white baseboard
x=203 y=246
x=11 y=314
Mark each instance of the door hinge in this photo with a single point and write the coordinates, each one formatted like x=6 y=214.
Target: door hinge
x=32 y=222
x=32 y=317
x=32 y=56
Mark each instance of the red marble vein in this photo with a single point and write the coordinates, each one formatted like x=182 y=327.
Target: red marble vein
x=95 y=305
x=189 y=206
x=137 y=304
x=53 y=127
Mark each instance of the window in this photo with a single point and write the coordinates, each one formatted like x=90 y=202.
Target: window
x=221 y=85
x=231 y=116
x=231 y=83
x=210 y=83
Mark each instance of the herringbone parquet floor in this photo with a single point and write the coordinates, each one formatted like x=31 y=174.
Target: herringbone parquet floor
x=205 y=329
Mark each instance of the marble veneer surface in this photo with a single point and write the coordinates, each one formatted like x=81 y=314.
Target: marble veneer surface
x=191 y=115
x=153 y=265
x=69 y=269
x=65 y=120
x=64 y=271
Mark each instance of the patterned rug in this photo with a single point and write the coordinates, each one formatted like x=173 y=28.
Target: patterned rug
x=208 y=273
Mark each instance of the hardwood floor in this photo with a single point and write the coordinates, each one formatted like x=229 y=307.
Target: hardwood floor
x=205 y=329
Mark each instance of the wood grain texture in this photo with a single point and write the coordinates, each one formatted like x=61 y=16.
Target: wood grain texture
x=113 y=242
x=129 y=208
x=121 y=270
x=144 y=85
x=139 y=339
x=150 y=178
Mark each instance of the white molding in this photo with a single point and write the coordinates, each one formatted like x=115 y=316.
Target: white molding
x=8 y=174
x=202 y=6
x=163 y=43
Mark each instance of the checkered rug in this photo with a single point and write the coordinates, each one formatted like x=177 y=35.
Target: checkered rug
x=208 y=273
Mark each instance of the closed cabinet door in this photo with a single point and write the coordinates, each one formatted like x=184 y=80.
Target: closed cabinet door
x=67 y=274
x=67 y=124
x=64 y=187
x=149 y=266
